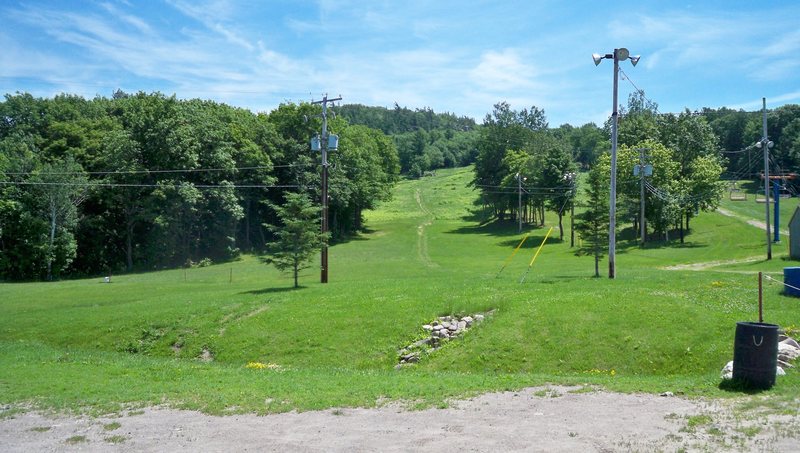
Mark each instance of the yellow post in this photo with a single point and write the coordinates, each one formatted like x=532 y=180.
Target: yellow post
x=536 y=254
x=508 y=260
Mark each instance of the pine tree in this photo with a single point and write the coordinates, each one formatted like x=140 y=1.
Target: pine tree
x=298 y=236
x=593 y=223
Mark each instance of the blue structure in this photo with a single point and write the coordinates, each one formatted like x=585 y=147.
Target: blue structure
x=791 y=276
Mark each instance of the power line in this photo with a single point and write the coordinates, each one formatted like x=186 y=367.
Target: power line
x=114 y=185
x=136 y=172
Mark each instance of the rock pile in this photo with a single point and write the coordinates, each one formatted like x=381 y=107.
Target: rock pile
x=788 y=351
x=437 y=333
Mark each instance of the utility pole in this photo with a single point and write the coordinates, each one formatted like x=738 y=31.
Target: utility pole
x=324 y=143
x=519 y=200
x=644 y=170
x=572 y=217
x=765 y=145
x=776 y=212
x=570 y=177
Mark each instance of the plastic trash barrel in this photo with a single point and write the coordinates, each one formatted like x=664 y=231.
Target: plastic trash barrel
x=791 y=276
x=755 y=354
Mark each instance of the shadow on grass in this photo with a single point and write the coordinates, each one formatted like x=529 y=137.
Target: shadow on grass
x=500 y=228
x=740 y=386
x=273 y=290
x=533 y=241
x=628 y=239
x=360 y=235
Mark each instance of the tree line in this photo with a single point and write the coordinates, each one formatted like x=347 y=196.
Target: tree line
x=425 y=140
x=145 y=181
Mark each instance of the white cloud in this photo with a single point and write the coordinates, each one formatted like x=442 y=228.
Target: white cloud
x=708 y=43
x=212 y=15
x=504 y=70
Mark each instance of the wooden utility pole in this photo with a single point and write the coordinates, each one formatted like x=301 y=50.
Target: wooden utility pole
x=324 y=148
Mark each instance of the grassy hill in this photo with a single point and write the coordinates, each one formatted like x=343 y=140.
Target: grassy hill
x=139 y=340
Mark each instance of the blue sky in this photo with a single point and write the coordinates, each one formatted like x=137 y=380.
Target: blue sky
x=455 y=56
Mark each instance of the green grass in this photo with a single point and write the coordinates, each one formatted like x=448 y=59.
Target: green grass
x=111 y=426
x=116 y=439
x=86 y=345
x=74 y=440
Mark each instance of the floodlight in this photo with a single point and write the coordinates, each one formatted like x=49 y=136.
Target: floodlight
x=635 y=59
x=597 y=58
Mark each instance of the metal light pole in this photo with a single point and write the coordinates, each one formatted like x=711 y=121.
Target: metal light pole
x=766 y=144
x=619 y=54
x=327 y=141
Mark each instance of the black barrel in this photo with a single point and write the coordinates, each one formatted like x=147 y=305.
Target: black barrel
x=755 y=354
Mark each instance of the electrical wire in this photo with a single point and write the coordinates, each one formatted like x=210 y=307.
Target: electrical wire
x=137 y=172
x=114 y=185
x=782 y=283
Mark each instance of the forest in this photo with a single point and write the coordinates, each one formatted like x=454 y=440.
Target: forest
x=148 y=181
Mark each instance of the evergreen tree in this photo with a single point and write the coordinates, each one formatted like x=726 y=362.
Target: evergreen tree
x=593 y=223
x=298 y=236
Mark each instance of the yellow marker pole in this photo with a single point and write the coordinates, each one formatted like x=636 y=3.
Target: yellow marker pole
x=537 y=254
x=508 y=260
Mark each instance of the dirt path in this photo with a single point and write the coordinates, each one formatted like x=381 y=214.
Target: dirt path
x=422 y=237
x=751 y=222
x=710 y=264
x=536 y=419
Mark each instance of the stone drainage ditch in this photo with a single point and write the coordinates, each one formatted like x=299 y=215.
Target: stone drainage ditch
x=437 y=334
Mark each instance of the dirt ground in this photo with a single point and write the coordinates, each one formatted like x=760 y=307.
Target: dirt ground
x=536 y=419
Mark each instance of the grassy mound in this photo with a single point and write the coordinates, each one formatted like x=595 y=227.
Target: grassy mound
x=143 y=338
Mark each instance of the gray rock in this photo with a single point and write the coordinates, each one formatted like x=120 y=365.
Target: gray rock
x=479 y=318
x=438 y=327
x=788 y=350
x=468 y=320
x=727 y=371
x=427 y=327
x=667 y=394
x=462 y=325
x=422 y=342
x=790 y=341
x=452 y=327
x=779 y=372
